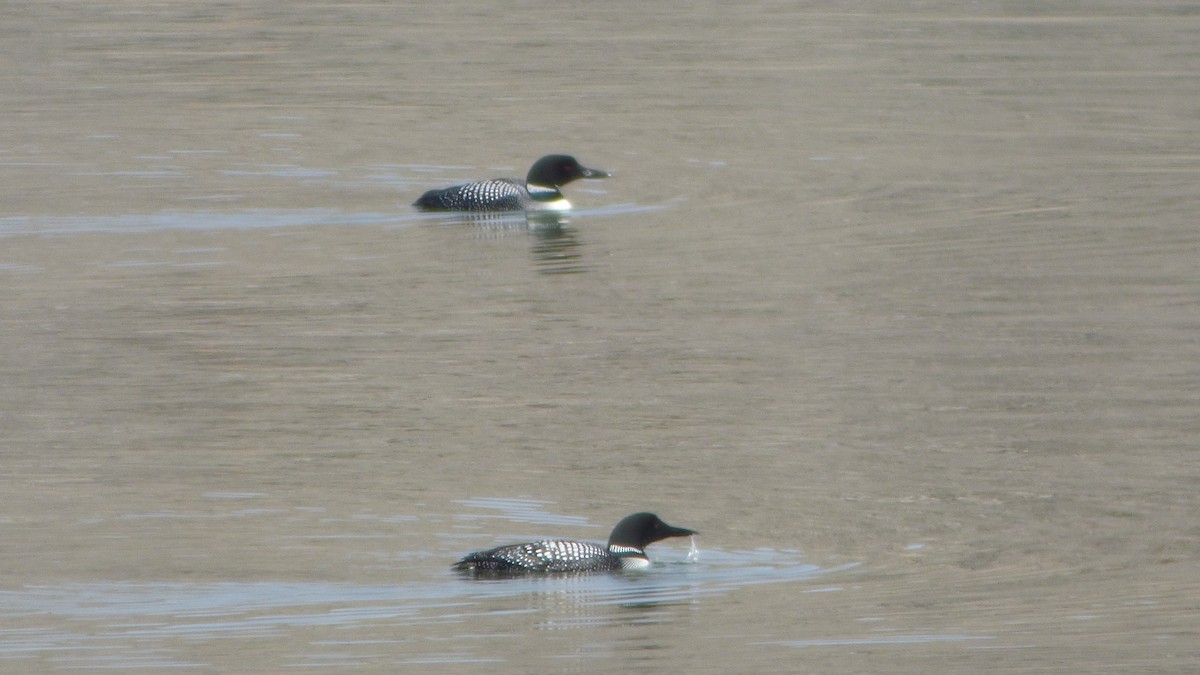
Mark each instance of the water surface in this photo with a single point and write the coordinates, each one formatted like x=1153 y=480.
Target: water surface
x=896 y=305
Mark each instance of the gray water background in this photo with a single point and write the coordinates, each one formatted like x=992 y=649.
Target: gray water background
x=895 y=303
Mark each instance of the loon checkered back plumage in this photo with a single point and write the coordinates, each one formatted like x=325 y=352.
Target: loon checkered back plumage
x=539 y=190
x=626 y=549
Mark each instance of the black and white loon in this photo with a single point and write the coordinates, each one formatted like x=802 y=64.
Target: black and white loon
x=626 y=550
x=539 y=191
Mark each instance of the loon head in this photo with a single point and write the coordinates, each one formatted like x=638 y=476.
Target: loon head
x=634 y=533
x=555 y=171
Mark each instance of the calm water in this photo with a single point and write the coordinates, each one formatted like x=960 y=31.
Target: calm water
x=897 y=306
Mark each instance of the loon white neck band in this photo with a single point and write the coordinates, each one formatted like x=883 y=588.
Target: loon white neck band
x=547 y=198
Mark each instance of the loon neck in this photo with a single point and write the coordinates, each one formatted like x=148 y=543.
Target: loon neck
x=547 y=198
x=620 y=550
x=543 y=193
x=629 y=557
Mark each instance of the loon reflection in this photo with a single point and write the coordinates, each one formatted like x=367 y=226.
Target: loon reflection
x=555 y=245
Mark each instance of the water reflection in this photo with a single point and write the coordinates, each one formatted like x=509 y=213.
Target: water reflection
x=582 y=601
x=555 y=245
x=556 y=248
x=145 y=611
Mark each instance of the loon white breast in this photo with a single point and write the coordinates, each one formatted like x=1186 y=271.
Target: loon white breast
x=539 y=190
x=626 y=549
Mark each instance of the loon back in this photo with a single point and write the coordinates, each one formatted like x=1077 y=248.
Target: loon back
x=626 y=549
x=496 y=194
x=539 y=190
x=542 y=556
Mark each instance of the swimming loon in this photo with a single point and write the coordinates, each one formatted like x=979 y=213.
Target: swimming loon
x=539 y=190
x=626 y=550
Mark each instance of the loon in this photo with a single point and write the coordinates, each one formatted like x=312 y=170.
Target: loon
x=539 y=190
x=626 y=550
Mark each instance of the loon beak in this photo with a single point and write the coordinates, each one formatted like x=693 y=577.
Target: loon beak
x=673 y=531
x=594 y=173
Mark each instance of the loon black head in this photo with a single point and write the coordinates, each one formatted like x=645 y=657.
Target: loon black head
x=555 y=171
x=639 y=530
